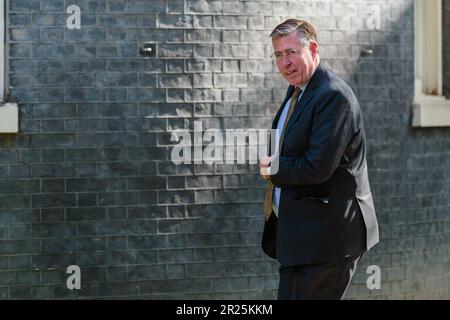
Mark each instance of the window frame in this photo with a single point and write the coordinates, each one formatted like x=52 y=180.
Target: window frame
x=9 y=112
x=430 y=107
x=2 y=51
x=428 y=33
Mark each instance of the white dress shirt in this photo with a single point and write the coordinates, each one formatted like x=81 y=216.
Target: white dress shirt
x=280 y=124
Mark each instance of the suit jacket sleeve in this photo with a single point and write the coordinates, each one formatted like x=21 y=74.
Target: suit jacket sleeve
x=330 y=135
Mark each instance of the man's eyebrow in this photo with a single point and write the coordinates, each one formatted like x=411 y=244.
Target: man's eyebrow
x=284 y=50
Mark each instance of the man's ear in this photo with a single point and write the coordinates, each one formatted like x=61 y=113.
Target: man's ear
x=314 y=47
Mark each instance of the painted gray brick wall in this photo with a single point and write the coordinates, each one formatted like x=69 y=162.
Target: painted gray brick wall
x=89 y=181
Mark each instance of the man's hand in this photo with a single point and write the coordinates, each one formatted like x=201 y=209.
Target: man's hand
x=265 y=163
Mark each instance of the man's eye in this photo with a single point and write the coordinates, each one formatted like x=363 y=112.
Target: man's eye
x=290 y=53
x=278 y=55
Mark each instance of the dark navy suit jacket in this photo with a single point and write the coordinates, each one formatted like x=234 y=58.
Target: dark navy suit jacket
x=326 y=208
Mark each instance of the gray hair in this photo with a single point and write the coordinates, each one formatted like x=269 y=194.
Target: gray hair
x=306 y=32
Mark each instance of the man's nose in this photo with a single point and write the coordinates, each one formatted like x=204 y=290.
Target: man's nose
x=286 y=60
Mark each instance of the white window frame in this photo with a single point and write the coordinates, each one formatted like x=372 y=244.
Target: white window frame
x=2 y=51
x=9 y=112
x=430 y=107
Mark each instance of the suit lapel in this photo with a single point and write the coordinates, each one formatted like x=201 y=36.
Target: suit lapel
x=306 y=98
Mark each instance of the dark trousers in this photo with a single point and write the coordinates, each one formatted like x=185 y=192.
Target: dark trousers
x=324 y=281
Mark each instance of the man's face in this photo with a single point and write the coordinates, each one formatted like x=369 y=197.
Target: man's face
x=297 y=64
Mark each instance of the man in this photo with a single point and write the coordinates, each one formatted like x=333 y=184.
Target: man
x=320 y=217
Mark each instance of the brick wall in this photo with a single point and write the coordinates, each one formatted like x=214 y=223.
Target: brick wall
x=89 y=181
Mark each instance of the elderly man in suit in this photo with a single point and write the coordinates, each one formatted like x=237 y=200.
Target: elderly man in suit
x=320 y=217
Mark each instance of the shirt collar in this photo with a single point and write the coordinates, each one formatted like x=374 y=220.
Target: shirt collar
x=304 y=86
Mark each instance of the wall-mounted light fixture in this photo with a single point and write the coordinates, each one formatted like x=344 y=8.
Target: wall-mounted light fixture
x=148 y=50
x=366 y=53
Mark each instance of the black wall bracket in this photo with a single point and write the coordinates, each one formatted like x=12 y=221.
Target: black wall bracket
x=148 y=50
